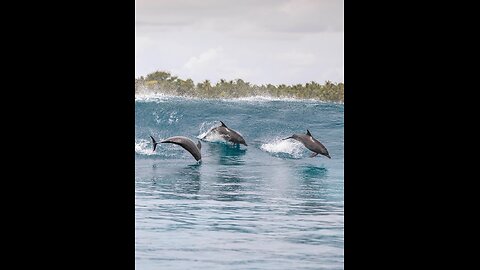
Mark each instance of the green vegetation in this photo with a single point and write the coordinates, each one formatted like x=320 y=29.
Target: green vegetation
x=164 y=82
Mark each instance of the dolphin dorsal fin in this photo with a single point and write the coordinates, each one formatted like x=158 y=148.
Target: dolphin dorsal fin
x=308 y=133
x=199 y=145
x=223 y=124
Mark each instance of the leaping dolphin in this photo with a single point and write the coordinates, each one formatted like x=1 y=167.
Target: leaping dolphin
x=184 y=142
x=311 y=143
x=227 y=134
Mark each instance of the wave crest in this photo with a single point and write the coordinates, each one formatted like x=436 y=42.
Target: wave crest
x=161 y=97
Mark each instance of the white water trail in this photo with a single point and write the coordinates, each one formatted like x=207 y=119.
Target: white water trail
x=207 y=134
x=279 y=146
x=144 y=147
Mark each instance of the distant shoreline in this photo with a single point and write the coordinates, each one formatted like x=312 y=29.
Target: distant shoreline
x=163 y=83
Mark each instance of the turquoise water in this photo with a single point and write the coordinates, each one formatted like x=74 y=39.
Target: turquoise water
x=265 y=206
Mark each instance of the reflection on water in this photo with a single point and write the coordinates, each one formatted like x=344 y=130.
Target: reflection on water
x=309 y=172
x=227 y=154
x=177 y=180
x=188 y=180
x=229 y=183
x=312 y=190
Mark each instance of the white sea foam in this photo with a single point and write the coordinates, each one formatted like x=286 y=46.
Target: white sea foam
x=151 y=97
x=157 y=97
x=266 y=99
x=279 y=146
x=144 y=147
x=207 y=135
x=213 y=137
x=160 y=97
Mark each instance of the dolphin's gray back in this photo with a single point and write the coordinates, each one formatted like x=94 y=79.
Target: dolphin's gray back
x=311 y=143
x=229 y=134
x=187 y=144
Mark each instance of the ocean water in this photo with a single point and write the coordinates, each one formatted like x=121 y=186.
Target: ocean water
x=265 y=206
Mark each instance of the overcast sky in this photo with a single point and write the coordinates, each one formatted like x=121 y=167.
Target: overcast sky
x=267 y=41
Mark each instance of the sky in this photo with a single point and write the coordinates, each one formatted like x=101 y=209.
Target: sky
x=267 y=41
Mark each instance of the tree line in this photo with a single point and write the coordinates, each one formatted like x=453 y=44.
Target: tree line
x=164 y=82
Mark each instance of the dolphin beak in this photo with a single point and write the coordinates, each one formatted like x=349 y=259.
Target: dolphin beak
x=286 y=138
x=328 y=156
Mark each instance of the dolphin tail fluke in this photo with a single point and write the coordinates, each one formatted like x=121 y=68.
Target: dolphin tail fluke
x=154 y=143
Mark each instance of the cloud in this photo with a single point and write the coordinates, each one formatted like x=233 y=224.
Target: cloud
x=204 y=59
x=213 y=64
x=267 y=15
x=268 y=41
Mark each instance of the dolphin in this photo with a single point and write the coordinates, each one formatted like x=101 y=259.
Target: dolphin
x=184 y=142
x=227 y=134
x=311 y=143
